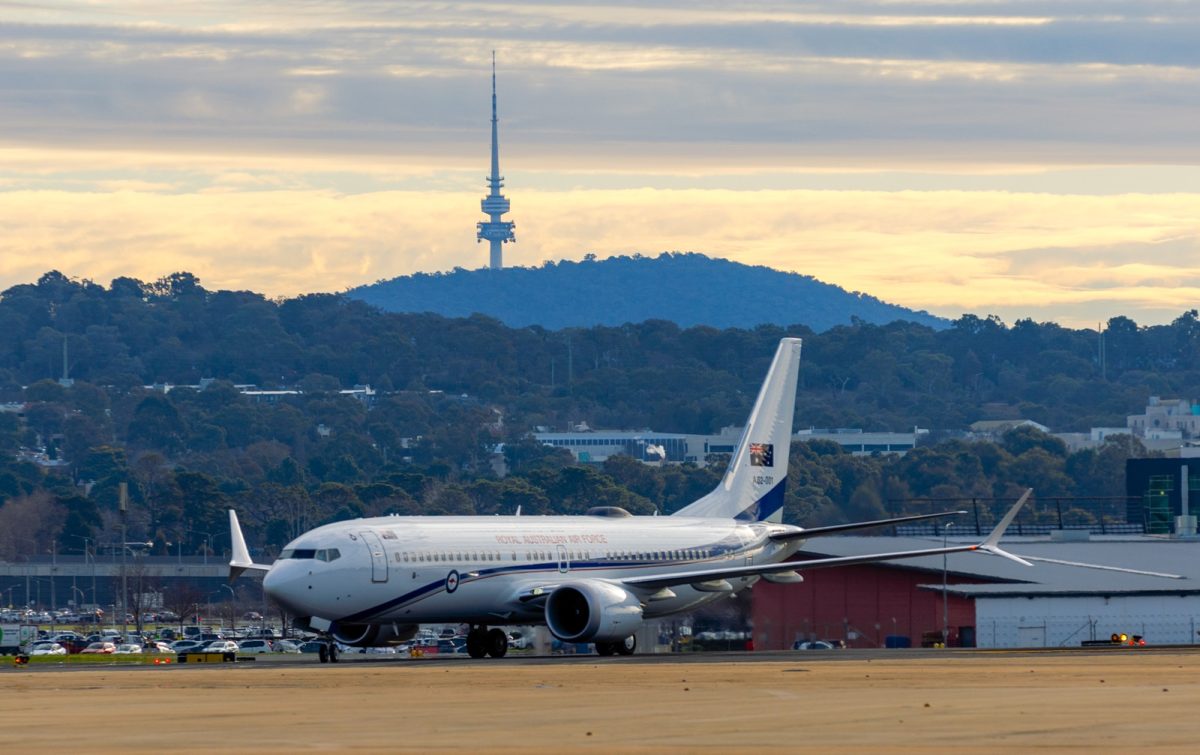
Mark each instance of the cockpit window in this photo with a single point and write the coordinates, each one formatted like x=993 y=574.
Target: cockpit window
x=324 y=554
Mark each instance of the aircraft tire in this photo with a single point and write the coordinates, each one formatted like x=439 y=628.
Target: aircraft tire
x=626 y=646
x=606 y=648
x=477 y=646
x=497 y=643
x=323 y=654
x=333 y=653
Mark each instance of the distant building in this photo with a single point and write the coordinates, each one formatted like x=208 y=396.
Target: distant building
x=1160 y=491
x=861 y=443
x=1166 y=414
x=595 y=446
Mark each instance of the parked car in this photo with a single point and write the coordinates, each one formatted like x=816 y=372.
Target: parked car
x=100 y=648
x=312 y=646
x=185 y=646
x=286 y=646
x=452 y=645
x=128 y=648
x=220 y=646
x=48 y=648
x=812 y=645
x=255 y=646
x=158 y=647
x=519 y=641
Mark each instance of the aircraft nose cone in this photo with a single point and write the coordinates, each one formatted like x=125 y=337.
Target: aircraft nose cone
x=282 y=584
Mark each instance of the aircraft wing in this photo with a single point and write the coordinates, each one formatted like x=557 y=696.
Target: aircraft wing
x=801 y=534
x=990 y=544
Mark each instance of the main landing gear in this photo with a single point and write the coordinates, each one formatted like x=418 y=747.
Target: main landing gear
x=482 y=641
x=620 y=647
x=328 y=652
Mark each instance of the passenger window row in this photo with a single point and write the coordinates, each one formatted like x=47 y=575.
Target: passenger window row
x=422 y=557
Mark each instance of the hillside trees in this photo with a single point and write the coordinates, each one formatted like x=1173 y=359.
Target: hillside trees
x=455 y=388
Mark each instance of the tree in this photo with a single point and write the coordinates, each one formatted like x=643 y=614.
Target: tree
x=29 y=525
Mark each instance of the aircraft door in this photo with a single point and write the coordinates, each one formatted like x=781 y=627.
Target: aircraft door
x=564 y=563
x=379 y=565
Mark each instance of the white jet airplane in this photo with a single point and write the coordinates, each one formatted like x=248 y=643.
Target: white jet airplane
x=592 y=578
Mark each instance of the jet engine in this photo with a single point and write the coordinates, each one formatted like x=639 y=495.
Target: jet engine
x=592 y=611
x=372 y=635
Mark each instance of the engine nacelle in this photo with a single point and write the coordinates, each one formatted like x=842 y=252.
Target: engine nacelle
x=372 y=635
x=592 y=611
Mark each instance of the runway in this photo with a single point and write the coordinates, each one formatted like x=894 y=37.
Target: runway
x=269 y=660
x=848 y=701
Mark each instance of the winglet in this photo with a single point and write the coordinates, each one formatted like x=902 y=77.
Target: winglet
x=992 y=543
x=240 y=558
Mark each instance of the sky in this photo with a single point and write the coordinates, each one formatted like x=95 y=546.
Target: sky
x=1030 y=159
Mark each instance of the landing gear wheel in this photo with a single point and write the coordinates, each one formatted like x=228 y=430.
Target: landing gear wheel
x=477 y=642
x=497 y=643
x=323 y=653
x=627 y=645
x=605 y=648
x=333 y=652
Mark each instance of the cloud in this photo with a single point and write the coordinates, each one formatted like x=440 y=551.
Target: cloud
x=1036 y=157
x=881 y=82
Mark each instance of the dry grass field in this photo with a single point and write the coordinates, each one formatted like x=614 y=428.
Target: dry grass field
x=977 y=702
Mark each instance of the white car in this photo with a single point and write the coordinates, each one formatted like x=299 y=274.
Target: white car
x=48 y=648
x=286 y=646
x=255 y=646
x=128 y=648
x=219 y=646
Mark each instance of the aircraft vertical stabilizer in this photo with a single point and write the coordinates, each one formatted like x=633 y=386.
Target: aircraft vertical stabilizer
x=754 y=484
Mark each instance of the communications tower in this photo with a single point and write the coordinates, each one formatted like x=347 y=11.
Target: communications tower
x=497 y=232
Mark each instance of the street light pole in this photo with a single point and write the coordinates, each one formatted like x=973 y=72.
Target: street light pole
x=53 y=574
x=123 y=501
x=232 y=608
x=945 y=593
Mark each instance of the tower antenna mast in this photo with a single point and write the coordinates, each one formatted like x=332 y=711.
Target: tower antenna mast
x=495 y=231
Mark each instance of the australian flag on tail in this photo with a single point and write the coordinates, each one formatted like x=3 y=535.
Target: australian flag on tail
x=762 y=454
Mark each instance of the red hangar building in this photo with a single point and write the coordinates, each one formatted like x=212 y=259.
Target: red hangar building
x=1143 y=585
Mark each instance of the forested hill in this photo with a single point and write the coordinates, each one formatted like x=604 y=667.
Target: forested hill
x=686 y=289
x=451 y=393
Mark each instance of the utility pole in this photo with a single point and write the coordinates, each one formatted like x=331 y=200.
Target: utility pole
x=945 y=593
x=123 y=505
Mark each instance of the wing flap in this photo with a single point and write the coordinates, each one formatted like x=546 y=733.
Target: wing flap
x=840 y=528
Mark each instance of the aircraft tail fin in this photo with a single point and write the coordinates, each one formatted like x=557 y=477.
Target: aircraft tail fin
x=755 y=481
